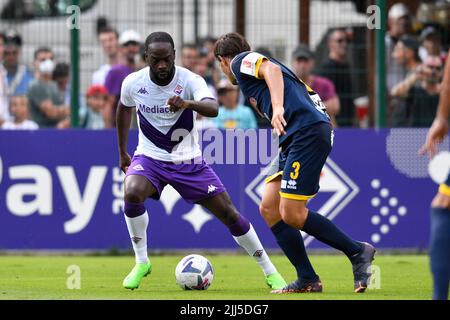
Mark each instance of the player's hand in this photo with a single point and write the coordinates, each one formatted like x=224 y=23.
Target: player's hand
x=436 y=134
x=124 y=162
x=278 y=121
x=176 y=103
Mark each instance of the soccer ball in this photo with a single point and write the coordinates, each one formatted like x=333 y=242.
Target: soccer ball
x=194 y=272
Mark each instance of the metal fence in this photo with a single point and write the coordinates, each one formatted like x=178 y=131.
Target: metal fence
x=276 y=25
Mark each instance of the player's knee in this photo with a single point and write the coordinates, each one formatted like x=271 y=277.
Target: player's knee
x=267 y=211
x=295 y=218
x=230 y=216
x=134 y=193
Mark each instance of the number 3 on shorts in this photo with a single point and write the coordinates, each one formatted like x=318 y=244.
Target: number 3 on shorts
x=295 y=173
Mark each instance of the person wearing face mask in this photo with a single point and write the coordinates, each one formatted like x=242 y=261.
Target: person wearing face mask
x=47 y=107
x=422 y=99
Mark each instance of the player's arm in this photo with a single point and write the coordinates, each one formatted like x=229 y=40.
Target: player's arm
x=123 y=122
x=124 y=113
x=439 y=128
x=207 y=107
x=271 y=73
x=443 y=112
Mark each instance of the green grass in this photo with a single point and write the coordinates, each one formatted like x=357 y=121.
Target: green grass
x=236 y=277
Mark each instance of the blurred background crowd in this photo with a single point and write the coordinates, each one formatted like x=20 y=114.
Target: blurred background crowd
x=37 y=93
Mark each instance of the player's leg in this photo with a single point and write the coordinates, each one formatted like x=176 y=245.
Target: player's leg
x=289 y=239
x=141 y=183
x=440 y=242
x=244 y=234
x=306 y=157
x=137 y=189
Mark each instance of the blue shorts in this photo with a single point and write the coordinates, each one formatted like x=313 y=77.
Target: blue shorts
x=301 y=161
x=445 y=187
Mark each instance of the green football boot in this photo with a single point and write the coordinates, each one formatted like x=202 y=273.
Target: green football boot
x=275 y=281
x=133 y=279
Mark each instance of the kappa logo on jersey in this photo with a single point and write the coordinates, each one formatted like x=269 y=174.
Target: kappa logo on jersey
x=138 y=167
x=178 y=90
x=143 y=91
x=211 y=188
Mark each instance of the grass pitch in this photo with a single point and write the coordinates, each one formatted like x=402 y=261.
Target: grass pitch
x=237 y=277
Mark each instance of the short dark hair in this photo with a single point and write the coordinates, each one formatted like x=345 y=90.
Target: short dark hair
x=159 y=36
x=3 y=36
x=108 y=29
x=61 y=71
x=230 y=45
x=411 y=43
x=40 y=50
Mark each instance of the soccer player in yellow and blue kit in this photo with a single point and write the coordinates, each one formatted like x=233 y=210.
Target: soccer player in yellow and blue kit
x=440 y=207
x=305 y=134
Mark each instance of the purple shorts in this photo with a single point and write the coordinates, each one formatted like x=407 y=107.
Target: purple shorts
x=193 y=181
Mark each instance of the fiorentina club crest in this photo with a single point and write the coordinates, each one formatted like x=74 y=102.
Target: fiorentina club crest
x=178 y=90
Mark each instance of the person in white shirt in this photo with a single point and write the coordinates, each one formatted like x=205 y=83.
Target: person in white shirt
x=19 y=113
x=109 y=40
x=166 y=99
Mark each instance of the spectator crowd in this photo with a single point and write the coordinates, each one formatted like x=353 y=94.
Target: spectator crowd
x=40 y=96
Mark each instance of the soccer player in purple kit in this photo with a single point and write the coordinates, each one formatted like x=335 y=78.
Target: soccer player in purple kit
x=305 y=135
x=167 y=99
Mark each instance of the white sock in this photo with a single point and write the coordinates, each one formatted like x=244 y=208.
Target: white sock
x=250 y=242
x=137 y=228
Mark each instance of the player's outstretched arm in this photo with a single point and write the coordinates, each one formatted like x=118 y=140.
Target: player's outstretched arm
x=439 y=128
x=123 y=120
x=206 y=107
x=273 y=76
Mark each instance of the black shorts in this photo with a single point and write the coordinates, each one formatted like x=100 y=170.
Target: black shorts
x=301 y=161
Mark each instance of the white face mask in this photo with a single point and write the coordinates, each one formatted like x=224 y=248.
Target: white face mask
x=47 y=66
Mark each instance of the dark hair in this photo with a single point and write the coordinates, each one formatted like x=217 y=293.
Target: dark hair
x=411 y=43
x=41 y=50
x=230 y=45
x=108 y=29
x=3 y=36
x=61 y=71
x=159 y=36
